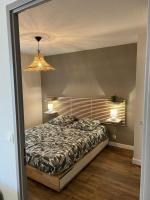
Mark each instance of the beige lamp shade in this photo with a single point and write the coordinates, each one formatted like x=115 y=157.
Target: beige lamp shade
x=39 y=64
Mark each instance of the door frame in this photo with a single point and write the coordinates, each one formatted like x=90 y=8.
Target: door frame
x=16 y=79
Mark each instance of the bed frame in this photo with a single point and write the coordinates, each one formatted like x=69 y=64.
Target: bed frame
x=58 y=182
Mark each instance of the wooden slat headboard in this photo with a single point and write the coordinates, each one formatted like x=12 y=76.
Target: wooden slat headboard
x=89 y=108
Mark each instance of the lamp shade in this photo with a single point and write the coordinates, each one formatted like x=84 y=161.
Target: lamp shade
x=113 y=113
x=39 y=64
x=50 y=107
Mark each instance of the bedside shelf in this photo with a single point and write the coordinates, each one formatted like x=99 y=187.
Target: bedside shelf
x=113 y=122
x=50 y=113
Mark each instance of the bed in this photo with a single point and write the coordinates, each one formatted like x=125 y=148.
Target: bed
x=58 y=150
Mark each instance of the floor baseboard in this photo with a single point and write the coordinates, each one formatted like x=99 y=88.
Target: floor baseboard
x=136 y=162
x=123 y=146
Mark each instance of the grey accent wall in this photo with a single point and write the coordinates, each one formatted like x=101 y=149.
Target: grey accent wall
x=96 y=73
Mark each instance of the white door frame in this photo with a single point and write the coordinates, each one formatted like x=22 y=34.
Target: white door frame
x=145 y=166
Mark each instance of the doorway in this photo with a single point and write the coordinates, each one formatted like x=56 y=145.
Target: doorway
x=18 y=81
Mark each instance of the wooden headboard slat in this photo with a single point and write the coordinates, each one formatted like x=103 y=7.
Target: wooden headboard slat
x=89 y=108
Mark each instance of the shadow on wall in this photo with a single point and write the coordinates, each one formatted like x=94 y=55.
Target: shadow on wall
x=81 y=88
x=82 y=82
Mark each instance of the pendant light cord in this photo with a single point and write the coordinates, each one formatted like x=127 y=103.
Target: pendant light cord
x=38 y=47
x=38 y=39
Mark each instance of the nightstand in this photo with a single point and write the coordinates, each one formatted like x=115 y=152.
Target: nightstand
x=114 y=122
x=51 y=115
x=112 y=127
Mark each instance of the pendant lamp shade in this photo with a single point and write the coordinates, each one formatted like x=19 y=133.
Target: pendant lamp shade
x=39 y=63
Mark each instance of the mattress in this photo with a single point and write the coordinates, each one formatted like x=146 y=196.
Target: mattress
x=53 y=149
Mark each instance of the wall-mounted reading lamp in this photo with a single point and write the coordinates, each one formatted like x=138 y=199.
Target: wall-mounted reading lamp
x=114 y=114
x=50 y=107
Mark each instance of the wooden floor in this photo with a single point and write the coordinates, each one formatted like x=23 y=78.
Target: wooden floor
x=110 y=176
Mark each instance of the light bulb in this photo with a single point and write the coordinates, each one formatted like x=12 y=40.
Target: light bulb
x=50 y=107
x=113 y=114
x=39 y=64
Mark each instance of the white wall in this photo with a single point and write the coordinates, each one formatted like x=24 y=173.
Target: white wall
x=32 y=95
x=139 y=100
x=8 y=163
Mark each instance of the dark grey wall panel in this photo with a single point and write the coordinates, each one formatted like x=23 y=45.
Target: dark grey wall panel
x=96 y=73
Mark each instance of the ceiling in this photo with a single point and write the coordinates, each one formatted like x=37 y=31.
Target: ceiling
x=76 y=25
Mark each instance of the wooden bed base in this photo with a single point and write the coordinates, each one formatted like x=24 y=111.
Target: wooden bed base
x=58 y=182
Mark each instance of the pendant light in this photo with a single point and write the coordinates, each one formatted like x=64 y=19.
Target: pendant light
x=39 y=63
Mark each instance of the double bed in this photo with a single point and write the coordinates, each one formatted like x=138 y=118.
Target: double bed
x=58 y=150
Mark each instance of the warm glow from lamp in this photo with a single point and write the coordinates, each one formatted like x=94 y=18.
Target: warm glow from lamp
x=50 y=107
x=113 y=114
x=39 y=63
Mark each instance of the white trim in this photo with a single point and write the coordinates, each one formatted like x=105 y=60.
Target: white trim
x=136 y=161
x=123 y=146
